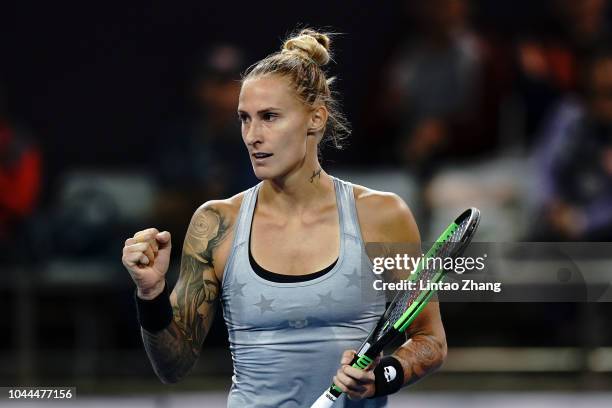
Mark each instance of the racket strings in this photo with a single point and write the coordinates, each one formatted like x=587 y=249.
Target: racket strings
x=408 y=297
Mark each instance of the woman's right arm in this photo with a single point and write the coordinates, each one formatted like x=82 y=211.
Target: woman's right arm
x=174 y=350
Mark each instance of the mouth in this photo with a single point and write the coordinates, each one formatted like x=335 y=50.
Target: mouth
x=261 y=156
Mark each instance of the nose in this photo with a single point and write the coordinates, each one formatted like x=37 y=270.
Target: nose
x=252 y=133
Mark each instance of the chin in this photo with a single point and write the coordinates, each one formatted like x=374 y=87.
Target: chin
x=266 y=173
x=263 y=173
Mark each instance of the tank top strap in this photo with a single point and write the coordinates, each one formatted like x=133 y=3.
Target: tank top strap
x=345 y=199
x=245 y=216
x=349 y=222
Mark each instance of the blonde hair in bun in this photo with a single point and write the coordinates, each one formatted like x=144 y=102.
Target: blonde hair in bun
x=301 y=60
x=309 y=44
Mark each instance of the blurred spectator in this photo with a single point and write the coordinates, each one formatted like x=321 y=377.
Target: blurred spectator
x=440 y=92
x=20 y=174
x=433 y=97
x=200 y=157
x=575 y=161
x=548 y=60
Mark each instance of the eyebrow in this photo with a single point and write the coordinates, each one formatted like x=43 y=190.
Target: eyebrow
x=259 y=112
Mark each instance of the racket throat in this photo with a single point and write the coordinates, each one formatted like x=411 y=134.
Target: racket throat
x=364 y=349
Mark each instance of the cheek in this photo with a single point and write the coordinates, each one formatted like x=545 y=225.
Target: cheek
x=243 y=132
x=292 y=134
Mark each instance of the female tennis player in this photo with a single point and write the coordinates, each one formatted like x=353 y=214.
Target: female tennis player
x=286 y=258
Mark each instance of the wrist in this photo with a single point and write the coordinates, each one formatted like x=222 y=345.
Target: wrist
x=153 y=292
x=388 y=376
x=155 y=314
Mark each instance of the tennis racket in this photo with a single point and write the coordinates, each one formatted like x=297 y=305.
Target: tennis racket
x=406 y=305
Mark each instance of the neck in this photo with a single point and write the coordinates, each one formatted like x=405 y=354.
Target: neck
x=297 y=192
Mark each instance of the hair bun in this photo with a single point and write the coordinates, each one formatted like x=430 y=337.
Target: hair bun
x=310 y=44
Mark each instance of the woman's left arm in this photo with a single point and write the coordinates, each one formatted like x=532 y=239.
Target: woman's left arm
x=384 y=217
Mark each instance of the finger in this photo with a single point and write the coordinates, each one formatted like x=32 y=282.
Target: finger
x=339 y=384
x=149 y=254
x=130 y=241
x=132 y=259
x=163 y=237
x=137 y=253
x=154 y=245
x=144 y=260
x=350 y=383
x=347 y=357
x=358 y=375
x=139 y=247
x=342 y=386
x=147 y=234
x=144 y=247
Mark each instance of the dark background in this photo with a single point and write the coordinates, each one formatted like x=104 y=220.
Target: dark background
x=97 y=85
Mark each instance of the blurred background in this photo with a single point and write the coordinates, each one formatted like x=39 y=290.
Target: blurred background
x=117 y=117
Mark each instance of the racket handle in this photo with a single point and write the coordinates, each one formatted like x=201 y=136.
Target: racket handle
x=326 y=400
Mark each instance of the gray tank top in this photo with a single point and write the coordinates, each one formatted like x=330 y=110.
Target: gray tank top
x=287 y=339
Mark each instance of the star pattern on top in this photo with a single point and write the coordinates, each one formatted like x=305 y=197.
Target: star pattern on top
x=237 y=288
x=353 y=278
x=264 y=304
x=327 y=300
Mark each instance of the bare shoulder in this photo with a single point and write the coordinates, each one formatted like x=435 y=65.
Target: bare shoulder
x=227 y=209
x=384 y=216
x=211 y=231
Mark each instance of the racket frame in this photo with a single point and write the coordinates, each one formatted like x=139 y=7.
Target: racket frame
x=370 y=348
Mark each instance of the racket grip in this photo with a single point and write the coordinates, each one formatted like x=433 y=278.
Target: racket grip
x=326 y=400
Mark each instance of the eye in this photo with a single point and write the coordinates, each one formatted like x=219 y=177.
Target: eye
x=242 y=118
x=269 y=116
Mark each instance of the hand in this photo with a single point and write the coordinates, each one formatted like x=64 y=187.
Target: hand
x=355 y=383
x=146 y=256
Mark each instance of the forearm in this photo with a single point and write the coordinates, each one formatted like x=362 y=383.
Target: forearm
x=174 y=326
x=171 y=354
x=420 y=356
x=172 y=338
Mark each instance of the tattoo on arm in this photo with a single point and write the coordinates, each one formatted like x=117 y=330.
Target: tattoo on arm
x=315 y=173
x=420 y=356
x=174 y=350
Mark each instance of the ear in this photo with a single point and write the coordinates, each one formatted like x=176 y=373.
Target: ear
x=317 y=120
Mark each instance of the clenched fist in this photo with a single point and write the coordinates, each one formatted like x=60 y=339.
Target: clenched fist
x=146 y=256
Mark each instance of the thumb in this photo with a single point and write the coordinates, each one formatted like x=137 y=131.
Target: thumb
x=162 y=259
x=347 y=357
x=163 y=237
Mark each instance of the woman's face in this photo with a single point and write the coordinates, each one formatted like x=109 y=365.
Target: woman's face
x=274 y=126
